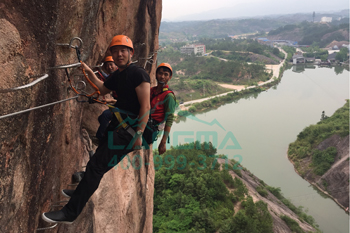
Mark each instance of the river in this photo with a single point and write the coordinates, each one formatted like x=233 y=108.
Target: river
x=259 y=130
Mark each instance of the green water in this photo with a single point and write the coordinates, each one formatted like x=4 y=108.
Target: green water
x=264 y=126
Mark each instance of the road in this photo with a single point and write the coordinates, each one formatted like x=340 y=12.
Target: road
x=276 y=72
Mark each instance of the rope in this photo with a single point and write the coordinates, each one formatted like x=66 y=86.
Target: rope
x=24 y=86
x=38 y=107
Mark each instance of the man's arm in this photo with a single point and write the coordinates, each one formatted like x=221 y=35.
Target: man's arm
x=143 y=95
x=103 y=90
x=169 y=105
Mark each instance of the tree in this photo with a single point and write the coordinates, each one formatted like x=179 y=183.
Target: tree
x=276 y=51
x=323 y=116
x=342 y=55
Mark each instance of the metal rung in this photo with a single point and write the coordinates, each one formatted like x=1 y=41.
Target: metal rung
x=47 y=228
x=65 y=66
x=24 y=86
x=71 y=42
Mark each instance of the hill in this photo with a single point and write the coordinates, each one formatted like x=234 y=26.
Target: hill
x=171 y=32
x=321 y=155
x=199 y=191
x=307 y=33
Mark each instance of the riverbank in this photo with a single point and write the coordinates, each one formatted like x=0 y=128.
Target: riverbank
x=346 y=209
x=276 y=70
x=264 y=127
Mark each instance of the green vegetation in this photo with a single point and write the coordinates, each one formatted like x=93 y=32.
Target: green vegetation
x=315 y=51
x=312 y=135
x=192 y=195
x=262 y=191
x=297 y=210
x=239 y=45
x=292 y=224
x=242 y=50
x=195 y=89
x=315 y=33
x=230 y=97
x=218 y=101
x=211 y=68
x=323 y=160
x=290 y=51
x=254 y=218
x=342 y=55
x=284 y=29
x=194 y=30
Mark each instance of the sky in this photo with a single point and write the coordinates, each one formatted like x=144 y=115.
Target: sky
x=181 y=10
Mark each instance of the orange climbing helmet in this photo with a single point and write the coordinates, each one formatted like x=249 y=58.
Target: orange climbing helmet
x=167 y=65
x=122 y=40
x=108 y=58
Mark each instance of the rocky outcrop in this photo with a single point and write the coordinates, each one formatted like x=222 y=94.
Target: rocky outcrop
x=275 y=206
x=335 y=182
x=41 y=149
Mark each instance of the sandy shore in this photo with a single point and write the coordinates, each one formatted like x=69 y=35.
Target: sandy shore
x=276 y=72
x=233 y=87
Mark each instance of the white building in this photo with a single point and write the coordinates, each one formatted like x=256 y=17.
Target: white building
x=196 y=49
x=326 y=19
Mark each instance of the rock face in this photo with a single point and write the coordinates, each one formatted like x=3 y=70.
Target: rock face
x=41 y=149
x=335 y=182
x=274 y=205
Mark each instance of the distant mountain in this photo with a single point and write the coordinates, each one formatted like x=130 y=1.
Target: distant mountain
x=219 y=28
x=307 y=33
x=272 y=7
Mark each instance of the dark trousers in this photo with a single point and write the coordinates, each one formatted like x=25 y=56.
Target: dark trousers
x=104 y=120
x=99 y=164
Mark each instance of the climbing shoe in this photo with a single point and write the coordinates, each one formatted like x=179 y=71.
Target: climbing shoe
x=56 y=217
x=67 y=192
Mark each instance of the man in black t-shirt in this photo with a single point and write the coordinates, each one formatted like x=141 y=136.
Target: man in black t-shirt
x=132 y=85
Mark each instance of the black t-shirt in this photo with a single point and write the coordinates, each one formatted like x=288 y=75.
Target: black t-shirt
x=124 y=84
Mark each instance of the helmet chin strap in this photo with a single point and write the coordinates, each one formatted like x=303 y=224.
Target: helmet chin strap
x=160 y=82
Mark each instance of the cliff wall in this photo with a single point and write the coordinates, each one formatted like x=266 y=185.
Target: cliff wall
x=41 y=149
x=274 y=205
x=335 y=182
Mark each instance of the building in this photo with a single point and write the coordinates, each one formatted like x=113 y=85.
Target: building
x=326 y=19
x=196 y=49
x=331 y=57
x=285 y=42
x=298 y=58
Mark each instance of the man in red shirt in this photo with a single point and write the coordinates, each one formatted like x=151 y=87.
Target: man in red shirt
x=163 y=103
